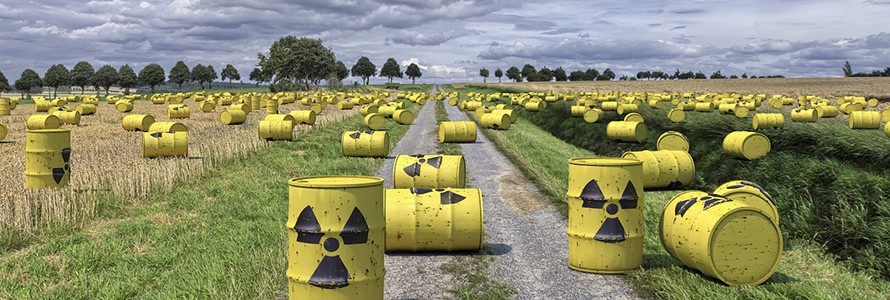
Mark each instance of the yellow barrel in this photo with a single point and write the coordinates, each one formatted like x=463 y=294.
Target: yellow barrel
x=3 y=131
x=672 y=140
x=317 y=108
x=887 y=129
x=509 y=112
x=403 y=117
x=68 y=117
x=804 y=115
x=256 y=103
x=42 y=105
x=335 y=238
x=623 y=131
x=166 y=127
x=633 y=117
x=60 y=102
x=535 y=105
x=206 y=106
x=375 y=121
x=387 y=110
x=727 y=108
x=495 y=121
x=873 y=102
x=752 y=195
x=767 y=121
x=686 y=106
x=429 y=171
x=624 y=109
x=457 y=132
x=481 y=111
x=232 y=117
x=724 y=239
x=746 y=145
x=424 y=219
x=656 y=104
x=885 y=116
x=665 y=168
x=241 y=106
x=306 y=117
x=123 y=106
x=365 y=143
x=178 y=111
x=609 y=105
x=277 y=127
x=6 y=107
x=850 y=107
x=704 y=107
x=271 y=107
x=827 y=111
x=165 y=144
x=85 y=109
x=605 y=197
x=345 y=105
x=157 y=100
x=139 y=122
x=43 y=122
x=473 y=105
x=740 y=112
x=47 y=158
x=369 y=109
x=578 y=111
x=865 y=120
x=592 y=115
x=677 y=115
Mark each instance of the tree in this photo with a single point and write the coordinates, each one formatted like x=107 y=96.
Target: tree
x=4 y=83
x=127 y=78
x=528 y=70
x=340 y=71
x=413 y=72
x=848 y=70
x=27 y=81
x=484 y=73
x=200 y=74
x=700 y=75
x=591 y=74
x=180 y=74
x=576 y=75
x=607 y=75
x=256 y=76
x=105 y=77
x=82 y=75
x=152 y=75
x=211 y=76
x=498 y=73
x=623 y=78
x=513 y=73
x=230 y=73
x=733 y=77
x=717 y=75
x=56 y=76
x=744 y=75
x=391 y=69
x=560 y=74
x=365 y=69
x=545 y=74
x=298 y=61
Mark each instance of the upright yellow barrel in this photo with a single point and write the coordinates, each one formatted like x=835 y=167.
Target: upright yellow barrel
x=138 y=122
x=277 y=127
x=457 y=132
x=672 y=140
x=47 y=158
x=306 y=117
x=724 y=239
x=605 y=230
x=865 y=119
x=592 y=115
x=43 y=122
x=746 y=145
x=429 y=171
x=623 y=131
x=767 y=121
x=5 y=107
x=165 y=144
x=167 y=127
x=423 y=219
x=495 y=121
x=403 y=117
x=271 y=106
x=232 y=117
x=365 y=143
x=335 y=238
x=665 y=168
x=3 y=131
x=375 y=121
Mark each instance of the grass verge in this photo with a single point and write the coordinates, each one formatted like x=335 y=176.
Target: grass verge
x=805 y=272
x=472 y=274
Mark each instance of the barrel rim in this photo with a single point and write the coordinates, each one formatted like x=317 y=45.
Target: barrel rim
x=604 y=161
x=719 y=223
x=305 y=182
x=52 y=130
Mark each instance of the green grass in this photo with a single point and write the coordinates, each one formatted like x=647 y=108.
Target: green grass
x=471 y=273
x=805 y=271
x=218 y=236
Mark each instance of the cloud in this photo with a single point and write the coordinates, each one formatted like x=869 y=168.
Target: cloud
x=412 y=38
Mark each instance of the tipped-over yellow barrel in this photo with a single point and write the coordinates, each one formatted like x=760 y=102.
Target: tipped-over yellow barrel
x=672 y=140
x=232 y=117
x=495 y=121
x=43 y=122
x=457 y=132
x=632 y=132
x=138 y=122
x=165 y=144
x=277 y=127
x=746 y=145
x=403 y=117
x=429 y=171
x=767 y=121
x=665 y=168
x=375 y=121
x=167 y=127
x=365 y=143
x=422 y=219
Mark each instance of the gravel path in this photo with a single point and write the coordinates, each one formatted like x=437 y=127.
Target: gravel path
x=416 y=275
x=526 y=234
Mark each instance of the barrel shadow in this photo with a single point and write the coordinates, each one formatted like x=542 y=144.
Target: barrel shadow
x=7 y=142
x=660 y=261
x=487 y=250
x=196 y=157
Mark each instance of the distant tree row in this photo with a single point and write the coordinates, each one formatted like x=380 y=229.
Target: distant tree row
x=530 y=74
x=848 y=72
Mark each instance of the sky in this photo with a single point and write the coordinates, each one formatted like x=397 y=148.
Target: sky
x=452 y=39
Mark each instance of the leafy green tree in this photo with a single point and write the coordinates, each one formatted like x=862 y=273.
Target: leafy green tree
x=211 y=76
x=180 y=74
x=700 y=75
x=127 y=78
x=717 y=75
x=105 y=77
x=56 y=76
x=152 y=75
x=591 y=74
x=340 y=71
x=528 y=70
x=364 y=68
x=744 y=75
x=230 y=73
x=4 y=83
x=200 y=74
x=545 y=74
x=413 y=72
x=82 y=75
x=576 y=75
x=28 y=81
x=560 y=74
x=484 y=73
x=608 y=75
x=498 y=73
x=256 y=76
x=391 y=69
x=513 y=73
x=298 y=61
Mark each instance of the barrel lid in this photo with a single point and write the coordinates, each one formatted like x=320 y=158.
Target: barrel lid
x=604 y=161
x=335 y=181
x=746 y=247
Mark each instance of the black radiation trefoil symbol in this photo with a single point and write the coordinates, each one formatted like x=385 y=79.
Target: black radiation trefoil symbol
x=59 y=173
x=414 y=169
x=751 y=184
x=611 y=231
x=331 y=273
x=446 y=197
x=356 y=135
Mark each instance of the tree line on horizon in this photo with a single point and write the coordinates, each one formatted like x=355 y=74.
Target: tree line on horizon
x=528 y=73
x=848 y=72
